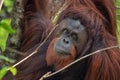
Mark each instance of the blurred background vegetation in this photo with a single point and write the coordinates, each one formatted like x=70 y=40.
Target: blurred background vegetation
x=6 y=30
x=6 y=9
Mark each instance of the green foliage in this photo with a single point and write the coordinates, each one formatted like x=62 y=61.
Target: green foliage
x=117 y=2
x=4 y=70
x=13 y=70
x=118 y=31
x=6 y=59
x=5 y=30
x=8 y=4
x=5 y=27
x=118 y=21
x=3 y=38
x=6 y=9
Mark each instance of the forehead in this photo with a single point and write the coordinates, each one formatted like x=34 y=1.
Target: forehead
x=74 y=25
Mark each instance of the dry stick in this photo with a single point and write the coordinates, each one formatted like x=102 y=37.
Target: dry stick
x=49 y=74
x=1 y=3
x=54 y=19
x=36 y=50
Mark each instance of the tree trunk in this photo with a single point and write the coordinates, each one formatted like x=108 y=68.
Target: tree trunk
x=13 y=42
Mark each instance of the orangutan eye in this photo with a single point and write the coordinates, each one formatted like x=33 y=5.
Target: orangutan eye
x=74 y=36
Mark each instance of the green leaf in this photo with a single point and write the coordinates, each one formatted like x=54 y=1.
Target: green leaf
x=8 y=4
x=7 y=59
x=13 y=70
x=3 y=38
x=5 y=29
x=3 y=71
x=54 y=19
x=6 y=25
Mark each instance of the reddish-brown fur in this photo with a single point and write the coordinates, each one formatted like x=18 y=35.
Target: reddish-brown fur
x=56 y=60
x=98 y=16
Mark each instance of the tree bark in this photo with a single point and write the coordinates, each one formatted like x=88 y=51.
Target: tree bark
x=14 y=39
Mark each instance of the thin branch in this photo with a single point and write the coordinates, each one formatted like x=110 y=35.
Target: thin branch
x=15 y=51
x=24 y=59
x=49 y=74
x=117 y=7
x=1 y=3
x=36 y=50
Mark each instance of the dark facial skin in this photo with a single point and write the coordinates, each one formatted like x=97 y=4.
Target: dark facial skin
x=70 y=39
x=71 y=33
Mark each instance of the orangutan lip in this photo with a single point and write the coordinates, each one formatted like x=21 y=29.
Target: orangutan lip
x=62 y=52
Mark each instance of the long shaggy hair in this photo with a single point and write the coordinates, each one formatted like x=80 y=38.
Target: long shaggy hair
x=98 y=16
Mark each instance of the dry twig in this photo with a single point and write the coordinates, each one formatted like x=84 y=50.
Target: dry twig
x=49 y=74
x=36 y=50
x=1 y=3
